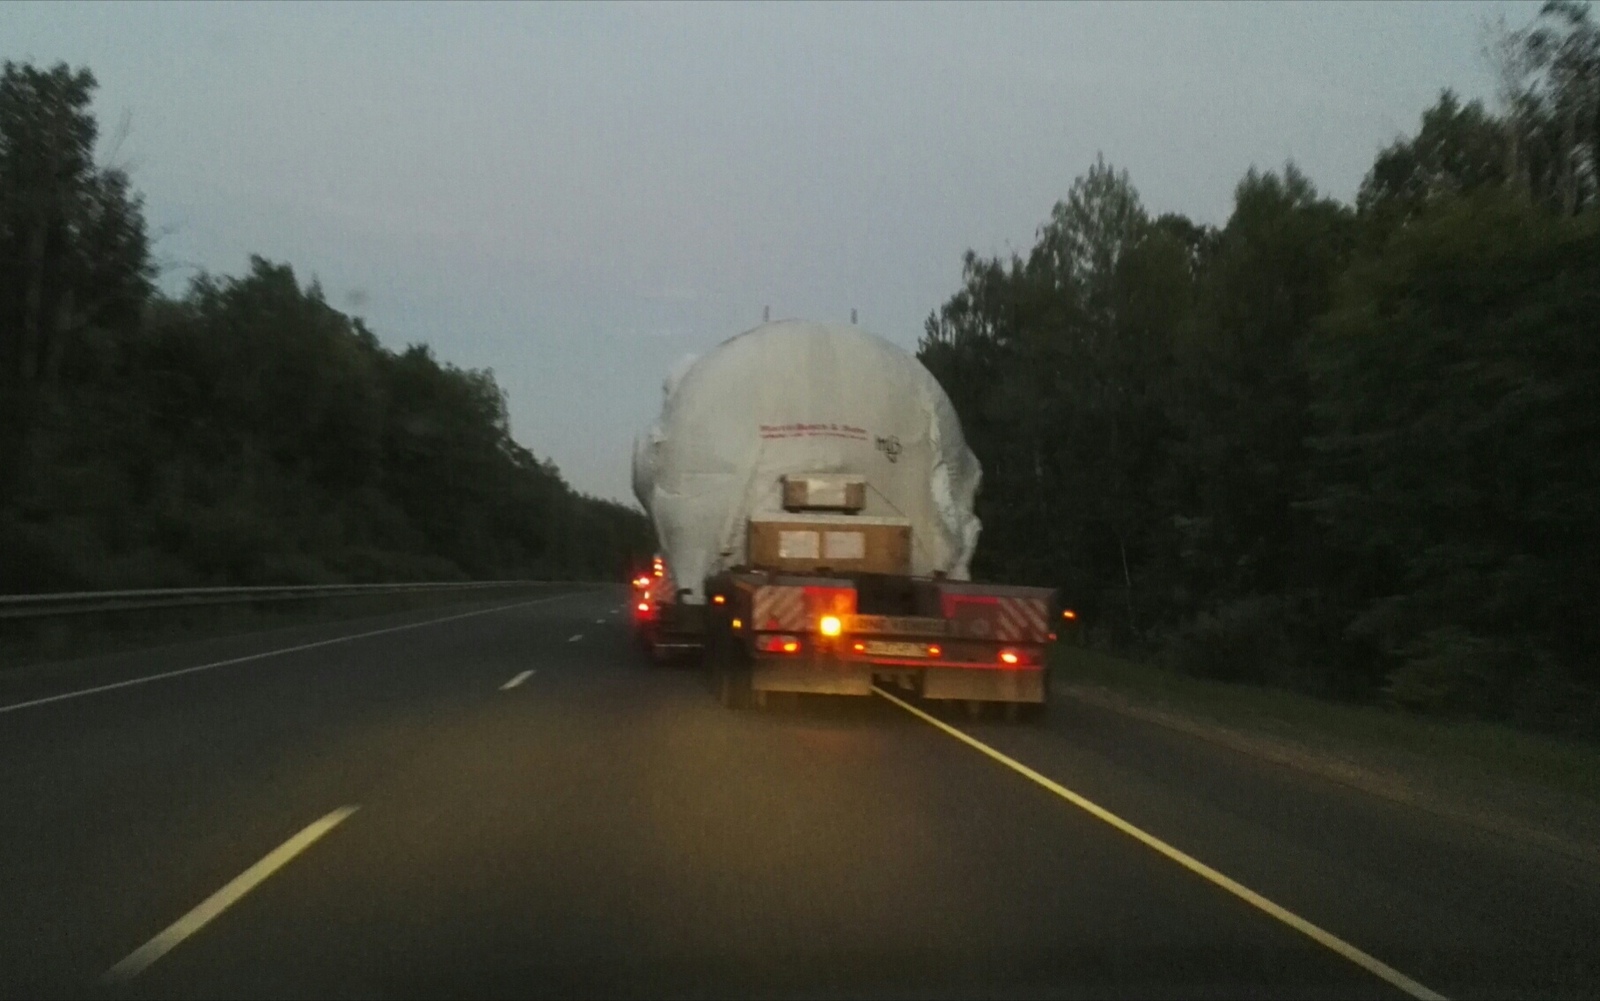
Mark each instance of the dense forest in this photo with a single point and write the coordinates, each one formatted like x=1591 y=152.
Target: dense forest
x=1344 y=448
x=246 y=432
x=1349 y=449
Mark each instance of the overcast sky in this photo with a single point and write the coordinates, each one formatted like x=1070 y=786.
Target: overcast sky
x=576 y=196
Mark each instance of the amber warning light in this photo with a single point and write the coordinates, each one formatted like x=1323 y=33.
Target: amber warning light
x=1068 y=614
x=778 y=644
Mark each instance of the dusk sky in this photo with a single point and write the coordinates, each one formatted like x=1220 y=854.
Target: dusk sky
x=576 y=196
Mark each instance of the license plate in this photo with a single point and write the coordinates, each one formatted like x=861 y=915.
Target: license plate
x=885 y=648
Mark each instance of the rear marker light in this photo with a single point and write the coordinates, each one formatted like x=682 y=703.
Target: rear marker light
x=1008 y=657
x=738 y=624
x=933 y=650
x=778 y=644
x=1069 y=614
x=643 y=607
x=719 y=600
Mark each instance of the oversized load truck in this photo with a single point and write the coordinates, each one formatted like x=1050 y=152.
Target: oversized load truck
x=812 y=495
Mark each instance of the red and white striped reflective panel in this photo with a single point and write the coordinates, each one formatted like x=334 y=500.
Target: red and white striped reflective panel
x=774 y=607
x=1022 y=620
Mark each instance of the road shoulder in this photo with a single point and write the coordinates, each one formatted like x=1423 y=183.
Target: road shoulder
x=1552 y=819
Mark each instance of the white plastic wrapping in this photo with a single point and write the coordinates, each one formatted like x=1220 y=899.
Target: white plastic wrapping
x=795 y=398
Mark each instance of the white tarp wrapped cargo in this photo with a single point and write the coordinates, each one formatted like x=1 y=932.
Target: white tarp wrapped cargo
x=792 y=398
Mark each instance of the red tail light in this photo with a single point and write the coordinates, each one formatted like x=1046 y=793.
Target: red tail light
x=1010 y=658
x=778 y=644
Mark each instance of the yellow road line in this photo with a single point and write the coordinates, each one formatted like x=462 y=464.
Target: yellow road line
x=139 y=960
x=1319 y=935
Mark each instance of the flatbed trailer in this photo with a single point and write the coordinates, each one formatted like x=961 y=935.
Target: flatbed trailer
x=813 y=490
x=936 y=638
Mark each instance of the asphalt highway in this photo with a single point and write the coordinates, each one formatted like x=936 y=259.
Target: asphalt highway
x=505 y=800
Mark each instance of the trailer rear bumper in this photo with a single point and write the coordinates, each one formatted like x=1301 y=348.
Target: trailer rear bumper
x=677 y=644
x=973 y=683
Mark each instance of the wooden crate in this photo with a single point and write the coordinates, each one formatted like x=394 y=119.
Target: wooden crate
x=841 y=543
x=824 y=492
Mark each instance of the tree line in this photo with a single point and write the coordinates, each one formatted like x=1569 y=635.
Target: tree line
x=1348 y=449
x=245 y=432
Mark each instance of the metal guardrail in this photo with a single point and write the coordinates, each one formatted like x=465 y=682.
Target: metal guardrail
x=19 y=606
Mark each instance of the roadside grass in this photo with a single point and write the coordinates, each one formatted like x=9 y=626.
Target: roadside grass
x=1462 y=748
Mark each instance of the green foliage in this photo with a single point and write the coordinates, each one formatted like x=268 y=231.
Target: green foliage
x=1459 y=408
x=1550 y=82
x=1055 y=365
x=1343 y=449
x=1458 y=150
x=244 y=433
